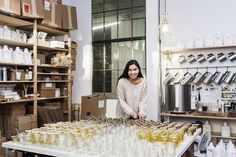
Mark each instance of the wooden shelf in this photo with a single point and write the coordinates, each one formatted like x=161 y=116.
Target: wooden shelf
x=166 y=114
x=18 y=65
x=16 y=82
x=51 y=31
x=231 y=99
x=169 y=51
x=46 y=48
x=228 y=92
x=53 y=67
x=13 y=22
x=218 y=135
x=18 y=101
x=57 y=74
x=52 y=81
x=15 y=43
x=61 y=97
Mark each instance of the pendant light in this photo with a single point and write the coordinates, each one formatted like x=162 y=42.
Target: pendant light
x=165 y=23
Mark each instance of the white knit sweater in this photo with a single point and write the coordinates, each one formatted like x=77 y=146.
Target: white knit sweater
x=131 y=98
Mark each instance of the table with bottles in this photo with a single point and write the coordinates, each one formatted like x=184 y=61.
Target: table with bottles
x=107 y=137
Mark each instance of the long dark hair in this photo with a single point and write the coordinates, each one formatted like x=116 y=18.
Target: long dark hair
x=126 y=70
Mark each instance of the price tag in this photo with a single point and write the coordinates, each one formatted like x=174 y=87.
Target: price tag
x=47 y=5
x=101 y=104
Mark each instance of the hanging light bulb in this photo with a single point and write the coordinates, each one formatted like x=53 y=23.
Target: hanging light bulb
x=164 y=24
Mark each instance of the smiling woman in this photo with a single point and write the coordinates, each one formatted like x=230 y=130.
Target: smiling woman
x=132 y=92
x=119 y=34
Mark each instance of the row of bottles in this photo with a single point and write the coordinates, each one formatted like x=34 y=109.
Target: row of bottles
x=10 y=33
x=222 y=149
x=225 y=129
x=18 y=56
x=16 y=75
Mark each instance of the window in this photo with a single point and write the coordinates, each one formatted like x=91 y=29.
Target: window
x=119 y=34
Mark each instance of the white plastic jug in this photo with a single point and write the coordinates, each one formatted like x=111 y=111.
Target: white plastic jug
x=27 y=56
x=6 y=54
x=17 y=56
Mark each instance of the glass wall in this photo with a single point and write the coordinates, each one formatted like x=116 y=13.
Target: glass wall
x=119 y=34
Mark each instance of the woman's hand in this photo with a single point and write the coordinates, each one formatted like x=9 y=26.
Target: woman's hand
x=142 y=116
x=133 y=115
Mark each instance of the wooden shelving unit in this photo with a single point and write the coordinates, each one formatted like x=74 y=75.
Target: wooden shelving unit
x=65 y=71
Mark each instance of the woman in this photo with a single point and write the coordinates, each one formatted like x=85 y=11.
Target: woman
x=132 y=92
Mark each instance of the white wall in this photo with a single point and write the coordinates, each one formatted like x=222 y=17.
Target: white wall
x=153 y=55
x=191 y=18
x=83 y=37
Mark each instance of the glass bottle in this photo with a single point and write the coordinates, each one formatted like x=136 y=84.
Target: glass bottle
x=30 y=74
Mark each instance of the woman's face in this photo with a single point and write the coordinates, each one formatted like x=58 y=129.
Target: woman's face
x=133 y=71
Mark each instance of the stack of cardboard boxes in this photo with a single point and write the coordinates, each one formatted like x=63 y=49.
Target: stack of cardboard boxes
x=50 y=113
x=52 y=12
x=13 y=118
x=73 y=55
x=47 y=90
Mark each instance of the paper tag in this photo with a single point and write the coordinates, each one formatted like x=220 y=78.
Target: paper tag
x=101 y=104
x=48 y=85
x=26 y=8
x=47 y=5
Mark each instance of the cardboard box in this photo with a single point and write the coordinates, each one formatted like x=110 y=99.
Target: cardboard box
x=57 y=1
x=64 y=91
x=32 y=8
x=10 y=6
x=49 y=114
x=73 y=65
x=25 y=122
x=61 y=61
x=43 y=42
x=56 y=77
x=73 y=54
x=41 y=57
x=52 y=14
x=14 y=109
x=94 y=105
x=48 y=93
x=48 y=85
x=60 y=53
x=69 y=17
x=2 y=139
x=57 y=44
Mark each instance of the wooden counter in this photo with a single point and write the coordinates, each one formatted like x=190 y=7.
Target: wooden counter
x=218 y=116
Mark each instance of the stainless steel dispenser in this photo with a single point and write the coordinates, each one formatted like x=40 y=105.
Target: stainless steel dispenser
x=178 y=98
